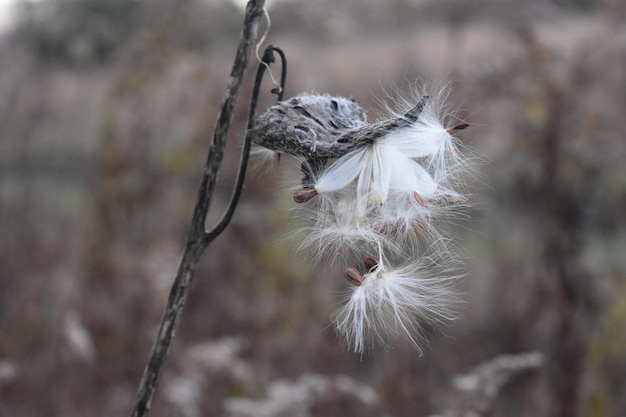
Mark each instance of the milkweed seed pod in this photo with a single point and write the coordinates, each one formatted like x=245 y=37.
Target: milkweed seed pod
x=376 y=191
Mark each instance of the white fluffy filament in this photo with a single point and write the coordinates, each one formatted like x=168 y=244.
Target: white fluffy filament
x=392 y=302
x=389 y=198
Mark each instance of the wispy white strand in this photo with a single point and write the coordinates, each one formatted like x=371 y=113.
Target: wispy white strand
x=258 y=46
x=341 y=173
x=263 y=160
x=394 y=302
x=336 y=233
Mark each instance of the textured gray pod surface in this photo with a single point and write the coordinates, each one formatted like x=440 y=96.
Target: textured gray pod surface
x=321 y=127
x=309 y=126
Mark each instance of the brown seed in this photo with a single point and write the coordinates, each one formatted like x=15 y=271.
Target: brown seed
x=460 y=126
x=451 y=199
x=304 y=194
x=420 y=200
x=419 y=229
x=371 y=264
x=353 y=276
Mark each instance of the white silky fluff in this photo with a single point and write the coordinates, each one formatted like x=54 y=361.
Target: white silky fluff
x=393 y=302
x=337 y=233
x=402 y=182
x=388 y=200
x=381 y=170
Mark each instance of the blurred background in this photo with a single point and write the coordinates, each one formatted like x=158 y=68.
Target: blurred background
x=106 y=113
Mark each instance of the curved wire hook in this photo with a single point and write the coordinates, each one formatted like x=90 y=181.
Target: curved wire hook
x=268 y=58
x=283 y=75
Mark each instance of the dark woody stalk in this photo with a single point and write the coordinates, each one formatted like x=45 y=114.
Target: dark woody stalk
x=199 y=238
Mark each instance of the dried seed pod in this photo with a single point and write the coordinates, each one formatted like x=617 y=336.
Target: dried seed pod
x=304 y=194
x=321 y=127
x=353 y=276
x=371 y=264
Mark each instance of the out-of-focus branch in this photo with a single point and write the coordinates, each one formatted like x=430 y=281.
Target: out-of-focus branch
x=483 y=384
x=198 y=238
x=485 y=381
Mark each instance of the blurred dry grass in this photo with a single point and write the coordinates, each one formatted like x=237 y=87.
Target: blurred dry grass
x=103 y=137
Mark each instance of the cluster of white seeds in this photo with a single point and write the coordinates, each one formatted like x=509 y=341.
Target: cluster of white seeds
x=377 y=211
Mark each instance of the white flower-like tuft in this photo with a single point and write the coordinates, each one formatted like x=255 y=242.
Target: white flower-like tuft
x=386 y=302
x=337 y=233
x=388 y=195
x=381 y=170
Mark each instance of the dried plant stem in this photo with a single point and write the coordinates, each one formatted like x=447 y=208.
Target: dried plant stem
x=198 y=238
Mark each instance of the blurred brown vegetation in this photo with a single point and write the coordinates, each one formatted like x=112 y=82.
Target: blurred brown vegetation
x=106 y=110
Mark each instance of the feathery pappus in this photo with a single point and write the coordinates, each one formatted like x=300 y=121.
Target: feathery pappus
x=382 y=192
